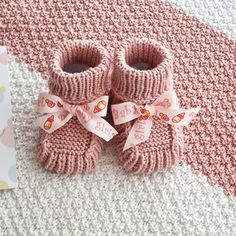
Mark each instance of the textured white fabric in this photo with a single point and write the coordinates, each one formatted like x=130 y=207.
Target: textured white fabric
x=108 y=201
x=219 y=14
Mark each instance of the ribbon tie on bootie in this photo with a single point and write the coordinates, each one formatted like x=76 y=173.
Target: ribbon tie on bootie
x=57 y=113
x=166 y=107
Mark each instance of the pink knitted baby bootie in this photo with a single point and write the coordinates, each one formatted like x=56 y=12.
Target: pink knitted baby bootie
x=143 y=72
x=78 y=76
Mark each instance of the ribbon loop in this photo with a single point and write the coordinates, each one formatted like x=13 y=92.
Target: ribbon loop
x=166 y=107
x=56 y=113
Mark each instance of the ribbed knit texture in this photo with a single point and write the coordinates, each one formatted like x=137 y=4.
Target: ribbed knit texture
x=164 y=148
x=142 y=86
x=86 y=85
x=71 y=148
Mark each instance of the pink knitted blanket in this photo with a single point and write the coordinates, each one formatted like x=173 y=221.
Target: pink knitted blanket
x=204 y=69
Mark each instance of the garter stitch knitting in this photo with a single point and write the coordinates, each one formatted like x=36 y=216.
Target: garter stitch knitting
x=72 y=149
x=143 y=71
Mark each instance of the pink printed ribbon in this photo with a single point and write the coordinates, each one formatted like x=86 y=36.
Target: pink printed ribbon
x=57 y=113
x=166 y=107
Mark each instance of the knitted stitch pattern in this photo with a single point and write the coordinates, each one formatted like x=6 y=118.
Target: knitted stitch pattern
x=111 y=201
x=164 y=147
x=71 y=148
x=204 y=65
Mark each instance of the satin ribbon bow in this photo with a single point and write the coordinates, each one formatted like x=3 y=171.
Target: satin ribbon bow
x=57 y=113
x=166 y=107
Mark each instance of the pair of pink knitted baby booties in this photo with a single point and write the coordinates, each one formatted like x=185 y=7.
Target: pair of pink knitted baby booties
x=142 y=71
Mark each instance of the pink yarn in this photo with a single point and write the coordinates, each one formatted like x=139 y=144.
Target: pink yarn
x=164 y=147
x=73 y=149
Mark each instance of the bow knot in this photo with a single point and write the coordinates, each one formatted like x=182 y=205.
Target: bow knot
x=166 y=108
x=56 y=113
x=73 y=109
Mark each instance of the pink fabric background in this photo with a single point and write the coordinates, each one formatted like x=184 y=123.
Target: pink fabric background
x=204 y=67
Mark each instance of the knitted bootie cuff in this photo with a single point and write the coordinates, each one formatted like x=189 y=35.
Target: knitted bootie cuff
x=143 y=70
x=84 y=86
